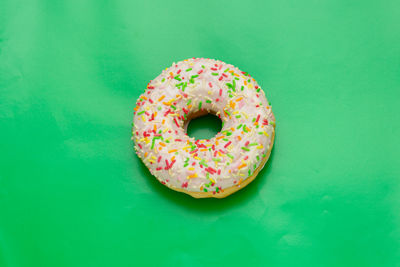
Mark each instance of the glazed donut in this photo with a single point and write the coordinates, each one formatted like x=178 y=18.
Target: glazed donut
x=215 y=167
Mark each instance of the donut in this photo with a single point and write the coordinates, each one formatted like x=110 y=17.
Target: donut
x=215 y=167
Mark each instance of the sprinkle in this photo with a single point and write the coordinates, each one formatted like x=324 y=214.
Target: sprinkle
x=161 y=98
x=227 y=144
x=242 y=165
x=172 y=150
x=214 y=73
x=245 y=148
x=200 y=103
x=189 y=69
x=194 y=175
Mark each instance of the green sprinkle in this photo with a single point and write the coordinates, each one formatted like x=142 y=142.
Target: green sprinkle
x=258 y=157
x=229 y=155
x=202 y=162
x=255 y=166
x=261 y=133
x=245 y=128
x=172 y=106
x=258 y=90
x=227 y=112
x=208 y=101
x=178 y=84
x=217 y=159
x=253 y=144
x=249 y=172
x=225 y=139
x=234 y=85
x=184 y=86
x=229 y=85
x=159 y=108
x=238 y=116
x=191 y=80
x=237 y=79
x=230 y=95
x=195 y=76
x=177 y=78
x=242 y=88
x=240 y=125
x=203 y=66
x=226 y=70
x=167 y=141
x=163 y=80
x=200 y=103
x=141 y=112
x=189 y=101
x=186 y=164
x=245 y=148
x=204 y=189
x=189 y=69
x=217 y=189
x=214 y=73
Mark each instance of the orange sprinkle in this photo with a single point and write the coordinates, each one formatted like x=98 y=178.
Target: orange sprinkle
x=172 y=150
x=173 y=158
x=159 y=148
x=155 y=127
x=232 y=104
x=189 y=106
x=232 y=129
x=239 y=137
x=194 y=175
x=245 y=82
x=161 y=98
x=241 y=166
x=145 y=154
x=144 y=97
x=240 y=98
x=136 y=108
x=203 y=149
x=219 y=137
x=167 y=103
x=162 y=144
x=163 y=121
x=216 y=142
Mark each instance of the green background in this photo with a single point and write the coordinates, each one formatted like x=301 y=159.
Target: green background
x=73 y=193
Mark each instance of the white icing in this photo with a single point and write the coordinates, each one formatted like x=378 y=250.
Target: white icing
x=236 y=158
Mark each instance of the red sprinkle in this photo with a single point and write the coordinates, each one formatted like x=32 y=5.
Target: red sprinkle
x=220 y=92
x=247 y=143
x=209 y=84
x=200 y=71
x=220 y=78
x=140 y=146
x=258 y=117
x=150 y=87
x=179 y=71
x=176 y=122
x=227 y=144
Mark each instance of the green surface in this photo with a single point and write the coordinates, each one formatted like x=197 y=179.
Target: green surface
x=73 y=193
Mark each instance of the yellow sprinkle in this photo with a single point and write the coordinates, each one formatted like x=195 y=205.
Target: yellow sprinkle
x=250 y=85
x=143 y=118
x=152 y=161
x=191 y=169
x=209 y=92
x=212 y=180
x=266 y=133
x=153 y=157
x=186 y=147
x=197 y=158
x=166 y=129
x=260 y=147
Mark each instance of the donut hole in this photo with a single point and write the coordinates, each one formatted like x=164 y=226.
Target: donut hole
x=203 y=126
